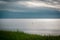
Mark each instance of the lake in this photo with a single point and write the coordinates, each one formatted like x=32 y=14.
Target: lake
x=33 y=26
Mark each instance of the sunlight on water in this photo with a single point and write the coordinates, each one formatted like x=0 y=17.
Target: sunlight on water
x=34 y=26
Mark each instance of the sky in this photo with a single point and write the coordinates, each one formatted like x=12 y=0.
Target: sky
x=24 y=5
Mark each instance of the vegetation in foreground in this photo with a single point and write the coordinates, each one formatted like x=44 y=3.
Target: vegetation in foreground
x=10 y=35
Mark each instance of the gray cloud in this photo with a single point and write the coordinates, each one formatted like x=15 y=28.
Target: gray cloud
x=33 y=0
x=52 y=2
x=14 y=0
x=9 y=0
x=47 y=1
x=13 y=4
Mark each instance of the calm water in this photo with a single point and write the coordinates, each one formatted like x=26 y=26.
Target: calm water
x=34 y=26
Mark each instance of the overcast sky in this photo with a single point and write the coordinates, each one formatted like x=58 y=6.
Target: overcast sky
x=22 y=5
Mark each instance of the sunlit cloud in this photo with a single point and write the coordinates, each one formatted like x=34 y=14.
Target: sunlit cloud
x=37 y=4
x=18 y=5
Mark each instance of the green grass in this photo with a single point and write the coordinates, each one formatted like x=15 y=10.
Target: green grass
x=9 y=35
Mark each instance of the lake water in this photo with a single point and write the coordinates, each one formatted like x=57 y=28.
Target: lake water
x=34 y=26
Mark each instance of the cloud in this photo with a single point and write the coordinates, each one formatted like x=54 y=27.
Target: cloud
x=18 y=5
x=47 y=1
x=32 y=0
x=9 y=0
x=17 y=0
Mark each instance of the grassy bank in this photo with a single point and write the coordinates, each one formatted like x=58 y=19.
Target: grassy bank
x=9 y=35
